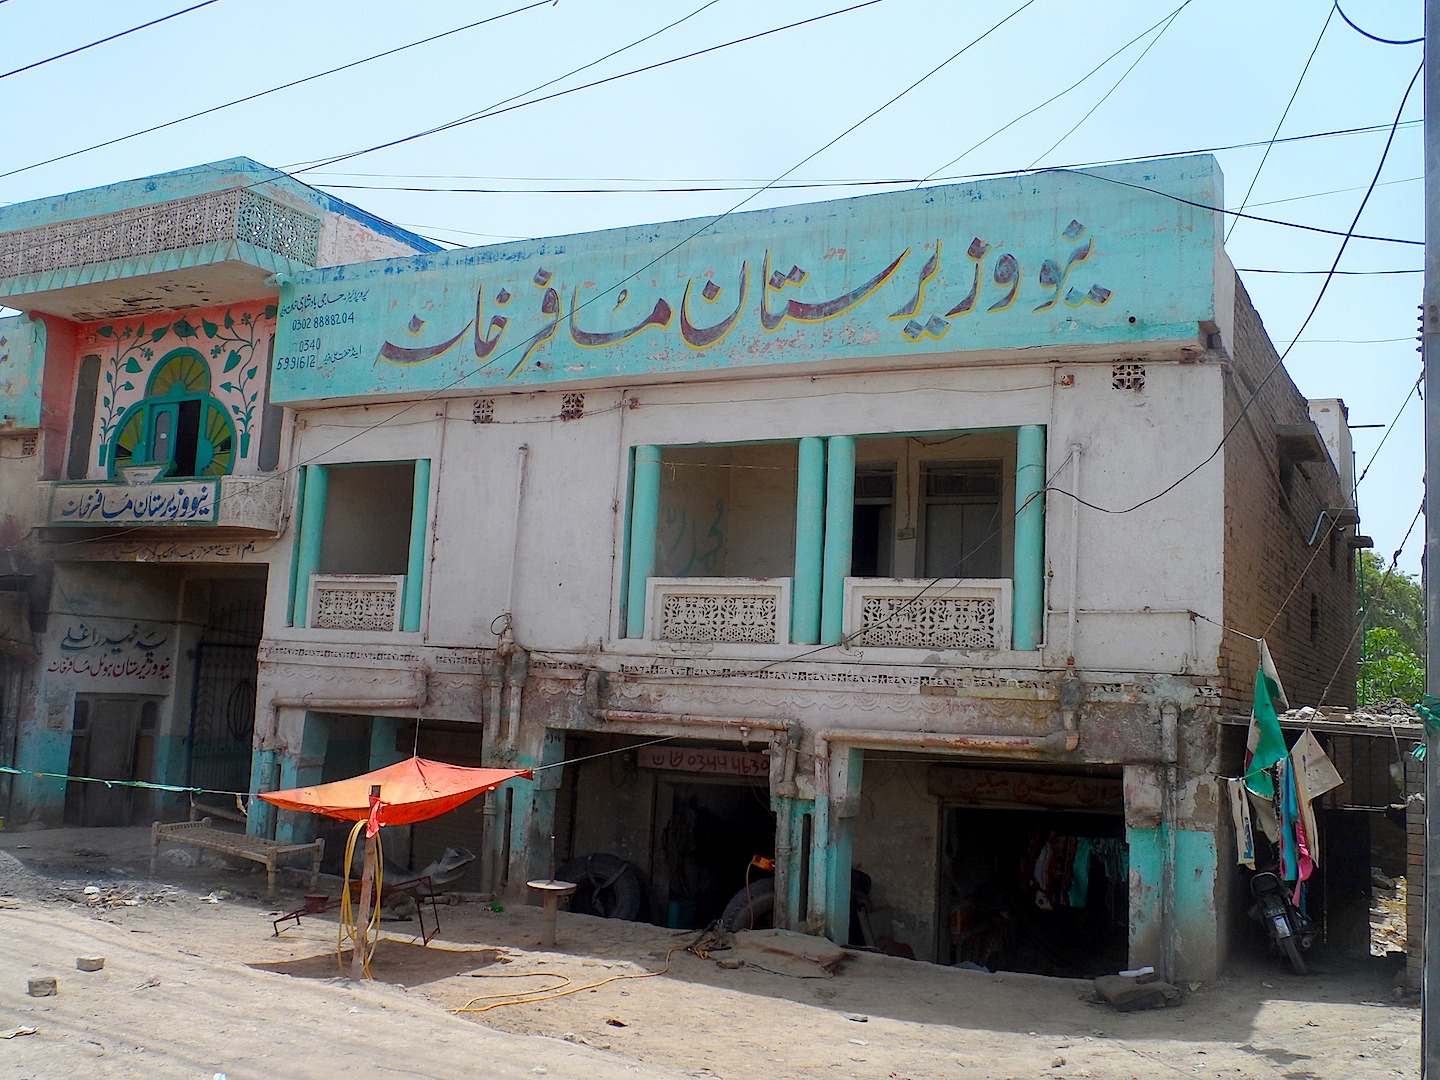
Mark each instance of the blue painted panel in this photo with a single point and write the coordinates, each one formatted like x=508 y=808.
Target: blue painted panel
x=22 y=362
x=1059 y=258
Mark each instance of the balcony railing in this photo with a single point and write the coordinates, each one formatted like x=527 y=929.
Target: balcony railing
x=356 y=601
x=949 y=613
x=741 y=611
x=237 y=214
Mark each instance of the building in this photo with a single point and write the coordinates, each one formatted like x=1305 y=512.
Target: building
x=135 y=389
x=898 y=534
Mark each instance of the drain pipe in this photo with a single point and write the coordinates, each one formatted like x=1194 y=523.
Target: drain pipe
x=1170 y=752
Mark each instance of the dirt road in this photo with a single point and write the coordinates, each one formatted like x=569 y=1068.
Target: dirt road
x=194 y=988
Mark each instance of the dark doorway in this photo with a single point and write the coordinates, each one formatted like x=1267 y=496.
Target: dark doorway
x=1039 y=891
x=113 y=738
x=222 y=714
x=712 y=831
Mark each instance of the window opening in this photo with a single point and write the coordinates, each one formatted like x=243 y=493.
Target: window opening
x=874 y=531
x=177 y=422
x=961 y=511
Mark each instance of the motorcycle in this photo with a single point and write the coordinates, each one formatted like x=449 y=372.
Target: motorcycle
x=1290 y=931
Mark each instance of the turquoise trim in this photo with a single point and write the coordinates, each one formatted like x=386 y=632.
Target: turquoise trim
x=383 y=733
x=294 y=609
x=1028 y=612
x=839 y=535
x=312 y=528
x=644 y=525
x=419 y=526
x=809 y=543
x=841 y=851
x=625 y=542
x=261 y=814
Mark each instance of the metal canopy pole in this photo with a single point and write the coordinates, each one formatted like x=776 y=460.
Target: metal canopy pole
x=1430 y=342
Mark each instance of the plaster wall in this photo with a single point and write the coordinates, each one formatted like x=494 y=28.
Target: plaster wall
x=896 y=837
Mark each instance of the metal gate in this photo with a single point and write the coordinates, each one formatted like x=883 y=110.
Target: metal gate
x=222 y=713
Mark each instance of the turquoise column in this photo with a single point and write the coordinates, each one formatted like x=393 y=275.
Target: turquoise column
x=312 y=528
x=644 y=525
x=383 y=733
x=839 y=535
x=1028 y=616
x=264 y=776
x=415 y=571
x=840 y=825
x=303 y=769
x=297 y=523
x=809 y=543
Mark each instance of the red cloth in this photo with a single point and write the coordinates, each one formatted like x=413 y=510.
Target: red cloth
x=411 y=790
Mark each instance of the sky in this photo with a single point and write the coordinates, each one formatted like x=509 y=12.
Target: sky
x=1053 y=84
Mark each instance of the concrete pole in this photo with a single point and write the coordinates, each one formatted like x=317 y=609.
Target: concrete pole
x=415 y=567
x=1430 y=979
x=1028 y=620
x=644 y=526
x=312 y=530
x=809 y=543
x=839 y=535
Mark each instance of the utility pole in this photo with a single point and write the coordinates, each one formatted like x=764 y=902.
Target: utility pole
x=1430 y=347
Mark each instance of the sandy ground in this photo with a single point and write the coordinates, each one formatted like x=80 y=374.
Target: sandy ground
x=195 y=987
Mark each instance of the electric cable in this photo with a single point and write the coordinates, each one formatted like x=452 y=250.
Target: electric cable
x=524 y=343
x=1053 y=98
x=1280 y=360
x=1169 y=22
x=495 y=110
x=1369 y=600
x=1255 y=177
x=273 y=89
x=1372 y=37
x=112 y=37
x=1415 y=389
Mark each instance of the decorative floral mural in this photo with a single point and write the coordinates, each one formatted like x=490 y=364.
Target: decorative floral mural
x=185 y=390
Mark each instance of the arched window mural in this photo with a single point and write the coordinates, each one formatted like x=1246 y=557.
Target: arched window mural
x=177 y=421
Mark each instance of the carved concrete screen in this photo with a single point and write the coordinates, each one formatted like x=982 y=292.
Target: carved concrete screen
x=1055 y=258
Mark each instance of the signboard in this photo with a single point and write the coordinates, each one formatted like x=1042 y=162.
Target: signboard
x=186 y=502
x=686 y=759
x=1122 y=255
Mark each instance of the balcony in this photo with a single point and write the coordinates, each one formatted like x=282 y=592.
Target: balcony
x=947 y=613
x=739 y=611
x=198 y=251
x=250 y=505
x=356 y=601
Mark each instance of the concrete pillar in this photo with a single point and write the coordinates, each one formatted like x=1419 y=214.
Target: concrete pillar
x=839 y=535
x=1028 y=616
x=302 y=767
x=644 y=525
x=419 y=529
x=384 y=730
x=791 y=857
x=832 y=841
x=534 y=820
x=809 y=543
x=312 y=528
x=264 y=776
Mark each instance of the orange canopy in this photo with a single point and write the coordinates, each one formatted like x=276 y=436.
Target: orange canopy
x=411 y=790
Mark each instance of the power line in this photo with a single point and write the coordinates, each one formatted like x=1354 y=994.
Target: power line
x=1372 y=37
x=1389 y=428
x=1124 y=75
x=1255 y=178
x=1049 y=100
x=1280 y=360
x=495 y=110
x=272 y=90
x=524 y=343
x=112 y=37
x=1337 y=273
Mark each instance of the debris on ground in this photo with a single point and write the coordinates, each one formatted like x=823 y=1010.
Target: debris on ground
x=1133 y=992
x=787 y=952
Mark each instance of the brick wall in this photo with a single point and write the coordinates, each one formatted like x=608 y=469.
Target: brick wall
x=1300 y=598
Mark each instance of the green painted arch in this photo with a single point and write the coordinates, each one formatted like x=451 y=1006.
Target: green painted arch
x=182 y=376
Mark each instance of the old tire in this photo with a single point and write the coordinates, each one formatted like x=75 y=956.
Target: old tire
x=609 y=887
x=1292 y=953
x=752 y=911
